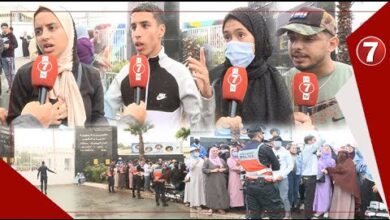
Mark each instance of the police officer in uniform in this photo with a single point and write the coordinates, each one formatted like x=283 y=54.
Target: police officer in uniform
x=258 y=161
x=159 y=178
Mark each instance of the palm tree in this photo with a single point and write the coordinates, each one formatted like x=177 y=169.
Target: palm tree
x=344 y=24
x=140 y=129
x=183 y=134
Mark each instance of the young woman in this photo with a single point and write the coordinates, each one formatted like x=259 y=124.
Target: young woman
x=323 y=194
x=248 y=46
x=77 y=85
x=216 y=169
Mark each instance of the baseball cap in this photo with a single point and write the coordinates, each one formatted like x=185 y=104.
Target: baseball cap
x=309 y=21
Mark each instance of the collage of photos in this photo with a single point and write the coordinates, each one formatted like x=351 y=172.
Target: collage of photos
x=167 y=110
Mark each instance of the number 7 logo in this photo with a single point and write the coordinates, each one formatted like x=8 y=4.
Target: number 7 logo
x=371 y=51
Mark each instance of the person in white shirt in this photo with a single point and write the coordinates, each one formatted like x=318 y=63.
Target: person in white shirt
x=147 y=171
x=280 y=176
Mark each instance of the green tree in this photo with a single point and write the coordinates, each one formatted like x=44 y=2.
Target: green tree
x=183 y=134
x=140 y=129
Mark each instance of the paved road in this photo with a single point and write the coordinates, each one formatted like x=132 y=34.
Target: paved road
x=90 y=202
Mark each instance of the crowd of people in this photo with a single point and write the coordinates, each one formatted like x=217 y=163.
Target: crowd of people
x=267 y=178
x=315 y=180
x=144 y=175
x=78 y=97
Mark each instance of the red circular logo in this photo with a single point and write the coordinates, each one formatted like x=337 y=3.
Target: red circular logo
x=234 y=79
x=371 y=51
x=139 y=68
x=44 y=66
x=306 y=87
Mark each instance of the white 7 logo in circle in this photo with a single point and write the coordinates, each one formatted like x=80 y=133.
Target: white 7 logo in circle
x=139 y=66
x=307 y=87
x=370 y=55
x=235 y=77
x=45 y=66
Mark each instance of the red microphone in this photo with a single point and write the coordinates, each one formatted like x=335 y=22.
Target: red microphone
x=139 y=72
x=235 y=83
x=43 y=75
x=305 y=90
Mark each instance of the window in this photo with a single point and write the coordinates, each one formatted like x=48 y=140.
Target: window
x=67 y=164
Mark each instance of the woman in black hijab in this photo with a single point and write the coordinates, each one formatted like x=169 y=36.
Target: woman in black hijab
x=267 y=99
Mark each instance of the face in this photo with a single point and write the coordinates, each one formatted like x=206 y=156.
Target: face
x=50 y=35
x=235 y=31
x=349 y=148
x=308 y=53
x=215 y=152
x=146 y=33
x=4 y=29
x=312 y=141
x=326 y=149
x=294 y=149
x=260 y=135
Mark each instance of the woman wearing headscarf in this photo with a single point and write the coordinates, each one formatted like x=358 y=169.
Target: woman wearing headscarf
x=346 y=190
x=217 y=196
x=77 y=85
x=195 y=189
x=85 y=48
x=323 y=193
x=236 y=195
x=248 y=46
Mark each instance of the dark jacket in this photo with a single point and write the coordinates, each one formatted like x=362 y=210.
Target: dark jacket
x=267 y=99
x=11 y=40
x=91 y=90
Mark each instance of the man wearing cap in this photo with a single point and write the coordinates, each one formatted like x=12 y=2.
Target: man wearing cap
x=258 y=160
x=312 y=37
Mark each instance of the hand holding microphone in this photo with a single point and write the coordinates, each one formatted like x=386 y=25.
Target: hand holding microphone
x=138 y=112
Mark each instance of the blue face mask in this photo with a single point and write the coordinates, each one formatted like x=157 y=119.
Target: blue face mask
x=235 y=154
x=194 y=155
x=240 y=54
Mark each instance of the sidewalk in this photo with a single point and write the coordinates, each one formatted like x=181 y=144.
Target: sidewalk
x=193 y=213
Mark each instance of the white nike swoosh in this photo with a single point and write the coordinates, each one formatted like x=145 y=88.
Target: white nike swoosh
x=161 y=98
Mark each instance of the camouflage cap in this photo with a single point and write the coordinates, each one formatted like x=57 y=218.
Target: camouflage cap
x=309 y=21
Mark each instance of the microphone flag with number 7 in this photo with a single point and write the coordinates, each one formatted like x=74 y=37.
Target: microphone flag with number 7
x=43 y=75
x=138 y=74
x=235 y=84
x=305 y=90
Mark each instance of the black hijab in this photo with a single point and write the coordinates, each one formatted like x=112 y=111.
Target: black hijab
x=267 y=99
